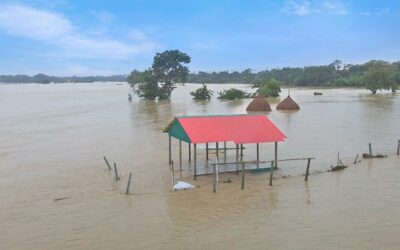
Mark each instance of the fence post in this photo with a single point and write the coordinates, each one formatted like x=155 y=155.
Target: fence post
x=308 y=168
x=129 y=183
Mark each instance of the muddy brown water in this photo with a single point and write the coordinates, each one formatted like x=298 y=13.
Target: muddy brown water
x=56 y=192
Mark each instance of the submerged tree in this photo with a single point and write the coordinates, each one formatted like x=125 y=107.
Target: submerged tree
x=160 y=80
x=267 y=87
x=202 y=93
x=232 y=94
x=379 y=76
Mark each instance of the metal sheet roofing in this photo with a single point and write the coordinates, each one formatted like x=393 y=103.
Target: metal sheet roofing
x=240 y=129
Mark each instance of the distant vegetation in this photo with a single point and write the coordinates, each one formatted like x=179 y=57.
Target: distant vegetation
x=44 y=79
x=232 y=94
x=373 y=75
x=160 y=80
x=202 y=93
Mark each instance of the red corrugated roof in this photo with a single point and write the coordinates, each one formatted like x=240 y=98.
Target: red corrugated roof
x=240 y=129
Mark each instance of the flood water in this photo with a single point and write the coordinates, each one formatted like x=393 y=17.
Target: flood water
x=53 y=139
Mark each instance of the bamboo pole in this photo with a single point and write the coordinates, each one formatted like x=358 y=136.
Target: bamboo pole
x=271 y=173
x=241 y=150
x=108 y=164
x=370 y=149
x=169 y=149
x=355 y=160
x=308 y=169
x=190 y=152
x=180 y=155
x=116 y=172
x=276 y=164
x=398 y=147
x=217 y=149
x=207 y=151
x=338 y=159
x=129 y=183
x=195 y=160
x=242 y=186
x=258 y=154
x=237 y=158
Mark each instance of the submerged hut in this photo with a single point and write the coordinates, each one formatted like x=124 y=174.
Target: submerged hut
x=259 y=104
x=288 y=104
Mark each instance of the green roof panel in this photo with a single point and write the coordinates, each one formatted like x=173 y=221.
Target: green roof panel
x=177 y=131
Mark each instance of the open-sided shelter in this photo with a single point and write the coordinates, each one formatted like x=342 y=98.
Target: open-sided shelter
x=239 y=129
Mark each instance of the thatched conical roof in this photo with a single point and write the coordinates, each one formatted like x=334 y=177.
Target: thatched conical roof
x=288 y=104
x=259 y=104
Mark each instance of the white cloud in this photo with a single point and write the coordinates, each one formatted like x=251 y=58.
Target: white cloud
x=33 y=23
x=304 y=7
x=55 y=29
x=335 y=7
x=300 y=8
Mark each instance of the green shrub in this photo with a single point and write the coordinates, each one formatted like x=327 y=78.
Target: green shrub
x=232 y=94
x=202 y=93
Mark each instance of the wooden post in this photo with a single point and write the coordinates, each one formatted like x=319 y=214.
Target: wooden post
x=398 y=147
x=258 y=155
x=217 y=149
x=355 y=161
x=195 y=160
x=190 y=152
x=207 y=151
x=241 y=150
x=108 y=164
x=169 y=149
x=242 y=175
x=308 y=169
x=215 y=179
x=237 y=158
x=370 y=149
x=276 y=155
x=275 y=165
x=129 y=183
x=180 y=155
x=116 y=172
x=271 y=173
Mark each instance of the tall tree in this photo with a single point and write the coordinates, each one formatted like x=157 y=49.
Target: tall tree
x=380 y=75
x=169 y=68
x=158 y=81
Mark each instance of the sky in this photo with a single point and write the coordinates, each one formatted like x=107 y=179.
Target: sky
x=75 y=37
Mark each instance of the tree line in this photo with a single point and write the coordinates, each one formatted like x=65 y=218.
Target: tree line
x=44 y=79
x=335 y=74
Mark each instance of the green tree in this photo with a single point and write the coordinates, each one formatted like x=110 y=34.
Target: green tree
x=379 y=76
x=267 y=87
x=169 y=68
x=232 y=94
x=158 y=81
x=202 y=93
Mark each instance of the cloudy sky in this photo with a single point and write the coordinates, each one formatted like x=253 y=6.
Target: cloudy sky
x=74 y=37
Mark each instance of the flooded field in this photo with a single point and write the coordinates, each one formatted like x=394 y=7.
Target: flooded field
x=53 y=139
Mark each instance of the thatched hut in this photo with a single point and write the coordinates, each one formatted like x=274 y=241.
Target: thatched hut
x=288 y=104
x=259 y=104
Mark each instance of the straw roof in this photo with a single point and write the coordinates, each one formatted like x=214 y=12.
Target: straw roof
x=259 y=104
x=288 y=104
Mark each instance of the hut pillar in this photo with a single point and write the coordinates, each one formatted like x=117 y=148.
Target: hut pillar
x=237 y=157
x=207 y=151
x=276 y=164
x=217 y=149
x=190 y=151
x=258 y=154
x=169 y=149
x=180 y=155
x=195 y=160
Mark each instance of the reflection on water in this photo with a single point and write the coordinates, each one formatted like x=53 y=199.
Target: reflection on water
x=53 y=138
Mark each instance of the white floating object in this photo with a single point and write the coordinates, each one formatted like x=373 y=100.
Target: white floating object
x=181 y=185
